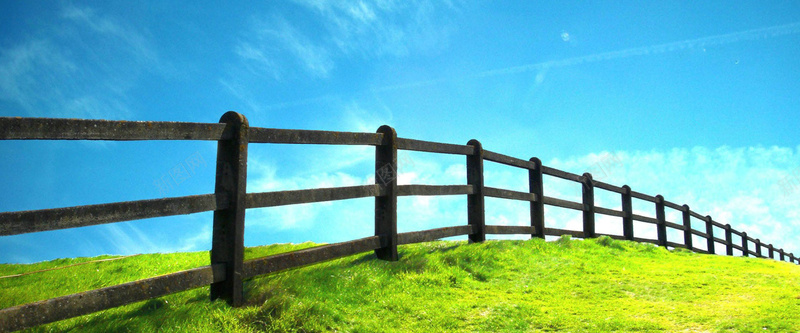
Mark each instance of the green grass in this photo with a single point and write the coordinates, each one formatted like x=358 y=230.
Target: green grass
x=498 y=286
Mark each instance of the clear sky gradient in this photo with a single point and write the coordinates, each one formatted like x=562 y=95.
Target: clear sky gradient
x=697 y=101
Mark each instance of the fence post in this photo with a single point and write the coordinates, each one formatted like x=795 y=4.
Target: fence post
x=758 y=248
x=781 y=253
x=687 y=227
x=386 y=205
x=744 y=245
x=627 y=211
x=728 y=240
x=661 y=228
x=771 y=251
x=227 y=245
x=588 y=206
x=710 y=232
x=536 y=183
x=475 y=206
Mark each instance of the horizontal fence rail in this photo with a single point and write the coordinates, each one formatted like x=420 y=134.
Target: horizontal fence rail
x=83 y=129
x=227 y=269
x=272 y=135
x=14 y=223
x=272 y=199
x=434 y=147
x=32 y=314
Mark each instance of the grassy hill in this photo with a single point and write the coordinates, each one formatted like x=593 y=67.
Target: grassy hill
x=497 y=286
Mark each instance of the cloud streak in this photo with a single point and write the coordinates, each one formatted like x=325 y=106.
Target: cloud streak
x=716 y=40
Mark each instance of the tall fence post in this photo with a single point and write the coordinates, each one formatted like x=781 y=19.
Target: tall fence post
x=728 y=240
x=745 y=251
x=782 y=254
x=771 y=251
x=588 y=206
x=687 y=227
x=710 y=233
x=386 y=205
x=758 y=248
x=627 y=212
x=475 y=202
x=227 y=244
x=536 y=183
x=661 y=227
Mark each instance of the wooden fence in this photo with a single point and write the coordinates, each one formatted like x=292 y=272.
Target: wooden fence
x=230 y=200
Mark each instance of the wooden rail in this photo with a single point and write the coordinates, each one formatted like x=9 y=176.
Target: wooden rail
x=230 y=200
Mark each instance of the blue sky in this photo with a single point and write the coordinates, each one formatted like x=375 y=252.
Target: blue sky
x=694 y=101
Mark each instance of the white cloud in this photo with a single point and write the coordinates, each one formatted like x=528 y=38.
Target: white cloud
x=755 y=189
x=376 y=28
x=332 y=30
x=299 y=217
x=201 y=240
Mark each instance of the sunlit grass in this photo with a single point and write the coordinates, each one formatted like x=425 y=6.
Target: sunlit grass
x=497 y=286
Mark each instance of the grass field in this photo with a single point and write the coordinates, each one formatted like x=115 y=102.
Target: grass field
x=596 y=285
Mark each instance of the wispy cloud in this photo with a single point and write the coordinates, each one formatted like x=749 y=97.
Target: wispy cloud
x=377 y=28
x=323 y=34
x=128 y=238
x=83 y=70
x=271 y=42
x=27 y=67
x=114 y=30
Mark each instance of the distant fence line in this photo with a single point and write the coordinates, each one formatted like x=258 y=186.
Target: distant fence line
x=227 y=269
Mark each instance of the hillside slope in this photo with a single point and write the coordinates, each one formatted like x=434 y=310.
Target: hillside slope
x=497 y=286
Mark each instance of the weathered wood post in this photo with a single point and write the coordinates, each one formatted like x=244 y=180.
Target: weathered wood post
x=627 y=211
x=745 y=251
x=661 y=227
x=227 y=244
x=758 y=248
x=687 y=227
x=588 y=206
x=386 y=205
x=710 y=233
x=536 y=185
x=728 y=240
x=476 y=213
